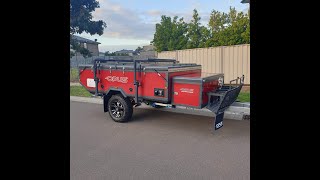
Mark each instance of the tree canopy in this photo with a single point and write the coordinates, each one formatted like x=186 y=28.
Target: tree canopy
x=223 y=29
x=81 y=21
x=139 y=49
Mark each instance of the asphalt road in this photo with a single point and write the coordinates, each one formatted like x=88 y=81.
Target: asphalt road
x=155 y=145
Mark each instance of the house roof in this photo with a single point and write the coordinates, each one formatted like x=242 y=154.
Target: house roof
x=124 y=51
x=245 y=1
x=148 y=48
x=84 y=40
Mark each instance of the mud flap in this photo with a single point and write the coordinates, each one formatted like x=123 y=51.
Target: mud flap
x=221 y=99
x=218 y=121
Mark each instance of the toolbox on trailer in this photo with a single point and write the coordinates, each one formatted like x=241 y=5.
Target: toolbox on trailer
x=192 y=91
x=156 y=82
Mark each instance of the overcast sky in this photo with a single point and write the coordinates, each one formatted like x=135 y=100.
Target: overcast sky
x=131 y=23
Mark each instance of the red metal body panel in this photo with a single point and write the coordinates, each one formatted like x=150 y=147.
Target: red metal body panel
x=193 y=91
x=152 y=80
x=119 y=80
x=84 y=74
x=192 y=73
x=186 y=94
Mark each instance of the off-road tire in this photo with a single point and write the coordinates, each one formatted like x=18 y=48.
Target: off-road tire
x=120 y=109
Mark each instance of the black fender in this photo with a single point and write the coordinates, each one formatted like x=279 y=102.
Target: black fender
x=109 y=94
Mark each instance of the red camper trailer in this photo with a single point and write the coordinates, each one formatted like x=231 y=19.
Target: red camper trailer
x=124 y=84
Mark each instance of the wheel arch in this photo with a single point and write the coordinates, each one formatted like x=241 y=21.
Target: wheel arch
x=109 y=94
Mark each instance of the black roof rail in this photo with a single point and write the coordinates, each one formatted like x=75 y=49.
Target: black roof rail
x=131 y=60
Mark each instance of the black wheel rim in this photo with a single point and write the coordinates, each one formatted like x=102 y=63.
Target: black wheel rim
x=117 y=109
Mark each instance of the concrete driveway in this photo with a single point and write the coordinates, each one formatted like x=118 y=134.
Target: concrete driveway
x=155 y=145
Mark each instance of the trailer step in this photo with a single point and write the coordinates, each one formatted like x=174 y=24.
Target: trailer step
x=222 y=99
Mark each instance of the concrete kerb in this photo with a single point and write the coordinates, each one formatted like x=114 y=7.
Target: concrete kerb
x=75 y=84
x=237 y=111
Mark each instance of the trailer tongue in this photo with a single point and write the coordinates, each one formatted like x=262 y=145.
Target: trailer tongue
x=157 y=82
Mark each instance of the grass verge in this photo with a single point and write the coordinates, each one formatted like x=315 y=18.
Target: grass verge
x=244 y=97
x=79 y=91
x=74 y=75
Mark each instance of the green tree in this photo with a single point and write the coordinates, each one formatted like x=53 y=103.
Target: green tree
x=194 y=31
x=228 y=29
x=170 y=34
x=139 y=49
x=78 y=49
x=239 y=28
x=162 y=35
x=224 y=29
x=178 y=38
x=72 y=54
x=81 y=17
x=81 y=21
x=218 y=21
x=205 y=36
x=107 y=53
x=217 y=24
